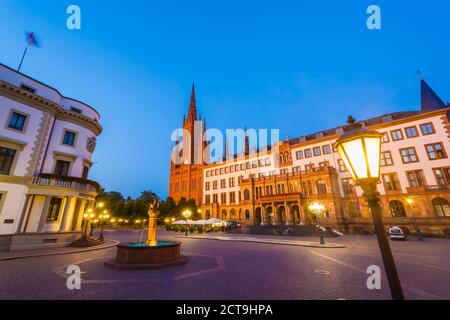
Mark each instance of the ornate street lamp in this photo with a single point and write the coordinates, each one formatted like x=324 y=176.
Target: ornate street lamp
x=360 y=149
x=318 y=209
x=418 y=233
x=186 y=214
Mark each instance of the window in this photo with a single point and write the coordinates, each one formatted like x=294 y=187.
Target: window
x=76 y=110
x=69 y=138
x=236 y=168
x=223 y=183
x=6 y=160
x=85 y=172
x=416 y=178
x=321 y=187
x=223 y=198
x=221 y=171
x=231 y=182
x=308 y=153
x=397 y=208
x=316 y=151
x=409 y=155
x=341 y=165
x=324 y=164
x=215 y=198
x=326 y=149
x=299 y=155
x=247 y=214
x=232 y=197
x=386 y=159
x=435 y=151
x=242 y=166
x=267 y=162
x=391 y=182
x=254 y=164
x=396 y=135
x=441 y=207
x=28 y=88
x=215 y=185
x=386 y=118
x=207 y=174
x=246 y=195
x=347 y=186
x=411 y=132
x=53 y=211
x=385 y=138
x=442 y=176
x=427 y=128
x=207 y=186
x=62 y=168
x=17 y=121
x=207 y=199
x=248 y=165
x=231 y=169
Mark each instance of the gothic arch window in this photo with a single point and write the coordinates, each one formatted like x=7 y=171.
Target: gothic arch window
x=441 y=207
x=397 y=208
x=246 y=195
x=321 y=187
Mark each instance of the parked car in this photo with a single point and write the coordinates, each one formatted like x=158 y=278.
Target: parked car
x=396 y=233
x=232 y=224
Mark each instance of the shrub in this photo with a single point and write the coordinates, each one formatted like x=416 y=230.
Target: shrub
x=200 y=229
x=191 y=229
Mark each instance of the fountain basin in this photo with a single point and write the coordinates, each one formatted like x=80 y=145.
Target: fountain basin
x=139 y=256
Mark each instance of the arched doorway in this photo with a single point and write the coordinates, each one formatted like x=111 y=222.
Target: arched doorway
x=281 y=215
x=233 y=214
x=441 y=207
x=269 y=215
x=247 y=214
x=258 y=216
x=207 y=215
x=224 y=214
x=295 y=214
x=397 y=209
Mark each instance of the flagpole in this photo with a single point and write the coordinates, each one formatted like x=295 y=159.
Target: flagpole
x=23 y=57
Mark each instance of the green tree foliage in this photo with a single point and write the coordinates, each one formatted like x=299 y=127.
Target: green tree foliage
x=131 y=209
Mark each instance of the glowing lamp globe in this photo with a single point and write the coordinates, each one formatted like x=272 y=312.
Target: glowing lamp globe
x=360 y=150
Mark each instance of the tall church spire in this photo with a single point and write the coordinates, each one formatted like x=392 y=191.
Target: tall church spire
x=192 y=116
x=429 y=99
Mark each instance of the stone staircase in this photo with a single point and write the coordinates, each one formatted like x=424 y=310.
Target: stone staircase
x=87 y=242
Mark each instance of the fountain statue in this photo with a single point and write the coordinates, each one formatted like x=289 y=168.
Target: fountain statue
x=151 y=254
x=153 y=214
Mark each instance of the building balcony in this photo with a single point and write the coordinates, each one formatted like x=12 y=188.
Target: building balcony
x=428 y=188
x=51 y=180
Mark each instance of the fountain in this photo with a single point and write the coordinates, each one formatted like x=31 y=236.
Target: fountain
x=151 y=254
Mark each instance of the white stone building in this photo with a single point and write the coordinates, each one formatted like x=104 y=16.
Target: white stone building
x=46 y=147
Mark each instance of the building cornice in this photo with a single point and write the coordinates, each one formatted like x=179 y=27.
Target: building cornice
x=17 y=94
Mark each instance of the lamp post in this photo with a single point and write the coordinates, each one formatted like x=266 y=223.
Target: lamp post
x=360 y=149
x=186 y=214
x=318 y=209
x=103 y=217
x=418 y=233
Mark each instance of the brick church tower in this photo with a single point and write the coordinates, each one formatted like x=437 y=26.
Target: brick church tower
x=186 y=167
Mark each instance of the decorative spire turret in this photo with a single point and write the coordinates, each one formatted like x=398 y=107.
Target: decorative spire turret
x=192 y=116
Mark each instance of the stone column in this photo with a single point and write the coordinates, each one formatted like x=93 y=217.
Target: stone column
x=44 y=213
x=65 y=216
x=263 y=215
x=287 y=211
x=80 y=215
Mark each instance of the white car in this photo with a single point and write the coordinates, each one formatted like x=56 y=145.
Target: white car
x=396 y=233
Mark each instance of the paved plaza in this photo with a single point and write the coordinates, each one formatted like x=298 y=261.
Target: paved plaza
x=235 y=270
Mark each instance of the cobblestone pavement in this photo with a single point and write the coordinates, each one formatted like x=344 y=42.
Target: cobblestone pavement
x=237 y=270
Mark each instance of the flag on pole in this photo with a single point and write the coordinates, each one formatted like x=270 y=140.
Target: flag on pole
x=31 y=41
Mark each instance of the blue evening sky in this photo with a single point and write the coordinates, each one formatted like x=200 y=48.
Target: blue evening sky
x=300 y=66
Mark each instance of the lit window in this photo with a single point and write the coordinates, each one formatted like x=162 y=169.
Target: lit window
x=316 y=151
x=308 y=153
x=326 y=149
x=435 y=151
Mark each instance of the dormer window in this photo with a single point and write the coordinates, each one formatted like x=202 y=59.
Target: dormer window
x=28 y=88
x=76 y=110
x=386 y=118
